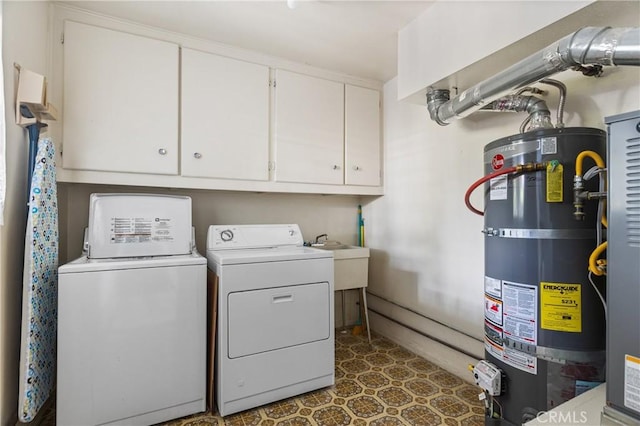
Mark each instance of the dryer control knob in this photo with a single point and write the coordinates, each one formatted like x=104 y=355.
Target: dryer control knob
x=226 y=235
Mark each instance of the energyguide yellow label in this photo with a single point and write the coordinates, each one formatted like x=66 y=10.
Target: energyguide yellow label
x=561 y=307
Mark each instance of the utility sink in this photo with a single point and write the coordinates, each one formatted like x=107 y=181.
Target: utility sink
x=351 y=265
x=350 y=270
x=345 y=251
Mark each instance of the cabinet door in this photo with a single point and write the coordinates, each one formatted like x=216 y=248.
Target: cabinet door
x=309 y=129
x=120 y=101
x=362 y=136
x=225 y=117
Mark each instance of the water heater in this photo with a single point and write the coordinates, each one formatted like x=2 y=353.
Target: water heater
x=544 y=322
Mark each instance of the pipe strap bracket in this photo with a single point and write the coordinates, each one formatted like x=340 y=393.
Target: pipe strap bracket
x=541 y=234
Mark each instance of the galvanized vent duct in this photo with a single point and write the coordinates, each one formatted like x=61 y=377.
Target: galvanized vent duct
x=599 y=46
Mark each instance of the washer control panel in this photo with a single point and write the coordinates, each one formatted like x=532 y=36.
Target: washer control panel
x=220 y=237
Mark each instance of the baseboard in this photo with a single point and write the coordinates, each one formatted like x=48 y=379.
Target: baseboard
x=440 y=354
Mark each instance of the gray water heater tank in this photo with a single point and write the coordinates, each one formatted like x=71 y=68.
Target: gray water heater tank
x=544 y=323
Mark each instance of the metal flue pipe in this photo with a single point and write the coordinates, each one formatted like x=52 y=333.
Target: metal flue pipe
x=539 y=114
x=599 y=46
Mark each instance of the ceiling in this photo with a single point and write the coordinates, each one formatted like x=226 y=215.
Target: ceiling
x=358 y=38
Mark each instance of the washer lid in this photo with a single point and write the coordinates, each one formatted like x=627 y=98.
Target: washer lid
x=258 y=255
x=128 y=225
x=84 y=264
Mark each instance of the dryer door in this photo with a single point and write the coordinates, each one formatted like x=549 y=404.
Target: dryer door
x=269 y=319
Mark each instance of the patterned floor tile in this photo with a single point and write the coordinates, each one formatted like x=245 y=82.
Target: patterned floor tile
x=420 y=415
x=395 y=396
x=281 y=409
x=401 y=354
x=449 y=406
x=347 y=388
x=373 y=380
x=445 y=379
x=421 y=387
x=316 y=399
x=343 y=354
x=387 y=421
x=246 y=418
x=363 y=349
x=295 y=421
x=377 y=384
x=332 y=416
x=354 y=366
x=422 y=365
x=469 y=394
x=365 y=406
x=473 y=421
x=399 y=372
x=378 y=360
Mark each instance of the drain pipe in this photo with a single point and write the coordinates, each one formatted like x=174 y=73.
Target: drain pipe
x=599 y=46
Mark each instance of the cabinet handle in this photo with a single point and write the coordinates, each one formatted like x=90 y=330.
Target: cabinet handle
x=162 y=151
x=197 y=155
x=357 y=168
x=336 y=167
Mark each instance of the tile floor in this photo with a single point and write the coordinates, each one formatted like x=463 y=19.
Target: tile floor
x=378 y=384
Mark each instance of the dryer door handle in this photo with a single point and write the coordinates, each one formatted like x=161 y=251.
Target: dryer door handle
x=282 y=298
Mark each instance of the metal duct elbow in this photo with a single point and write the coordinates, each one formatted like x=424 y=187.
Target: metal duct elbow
x=435 y=98
x=588 y=46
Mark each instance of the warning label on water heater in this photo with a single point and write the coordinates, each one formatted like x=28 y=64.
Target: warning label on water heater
x=561 y=307
x=498 y=188
x=520 y=312
x=133 y=230
x=511 y=323
x=493 y=310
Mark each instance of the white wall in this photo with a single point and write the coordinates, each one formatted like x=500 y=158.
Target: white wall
x=24 y=40
x=427 y=249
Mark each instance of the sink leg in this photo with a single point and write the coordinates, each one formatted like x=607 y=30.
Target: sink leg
x=344 y=315
x=366 y=312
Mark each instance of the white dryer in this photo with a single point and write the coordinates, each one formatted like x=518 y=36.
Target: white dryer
x=132 y=316
x=275 y=328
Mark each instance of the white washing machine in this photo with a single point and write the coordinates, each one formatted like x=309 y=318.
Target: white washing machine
x=132 y=316
x=275 y=331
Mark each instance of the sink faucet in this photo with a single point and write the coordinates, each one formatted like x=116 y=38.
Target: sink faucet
x=321 y=236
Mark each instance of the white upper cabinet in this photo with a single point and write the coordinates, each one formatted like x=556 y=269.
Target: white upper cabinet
x=362 y=136
x=225 y=117
x=309 y=129
x=120 y=109
x=148 y=107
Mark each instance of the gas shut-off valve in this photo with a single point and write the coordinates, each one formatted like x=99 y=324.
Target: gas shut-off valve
x=488 y=377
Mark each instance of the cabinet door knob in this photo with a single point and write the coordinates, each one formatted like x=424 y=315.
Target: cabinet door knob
x=197 y=155
x=162 y=151
x=336 y=167
x=357 y=168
